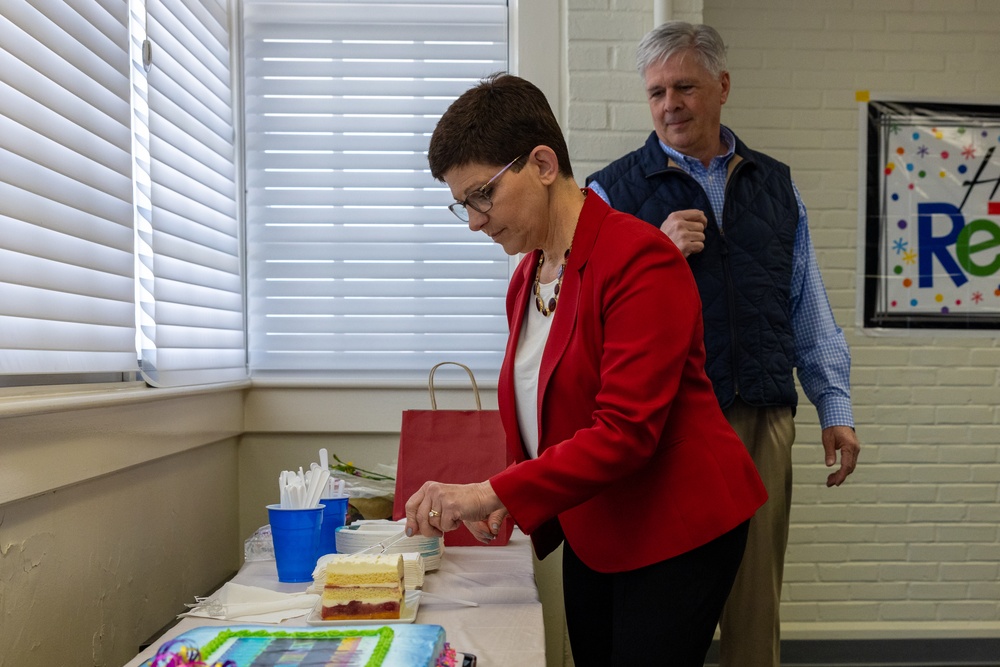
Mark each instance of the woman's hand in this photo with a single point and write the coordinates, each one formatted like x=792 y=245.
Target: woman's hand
x=437 y=508
x=485 y=531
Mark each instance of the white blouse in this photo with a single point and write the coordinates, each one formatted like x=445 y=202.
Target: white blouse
x=527 y=362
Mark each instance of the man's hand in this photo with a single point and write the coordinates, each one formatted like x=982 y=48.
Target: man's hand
x=687 y=230
x=841 y=438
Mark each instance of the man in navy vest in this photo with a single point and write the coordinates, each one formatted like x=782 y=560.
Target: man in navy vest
x=738 y=218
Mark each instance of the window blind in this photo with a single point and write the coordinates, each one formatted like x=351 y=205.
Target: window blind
x=192 y=294
x=66 y=288
x=355 y=266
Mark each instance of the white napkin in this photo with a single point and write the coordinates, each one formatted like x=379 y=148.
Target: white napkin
x=252 y=604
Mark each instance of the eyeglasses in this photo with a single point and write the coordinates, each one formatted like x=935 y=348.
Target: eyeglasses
x=479 y=200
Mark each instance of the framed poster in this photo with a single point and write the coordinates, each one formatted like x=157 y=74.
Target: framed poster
x=930 y=216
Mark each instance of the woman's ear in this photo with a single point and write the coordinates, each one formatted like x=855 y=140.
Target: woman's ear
x=544 y=158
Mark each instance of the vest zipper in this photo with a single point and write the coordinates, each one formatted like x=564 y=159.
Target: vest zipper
x=731 y=303
x=730 y=286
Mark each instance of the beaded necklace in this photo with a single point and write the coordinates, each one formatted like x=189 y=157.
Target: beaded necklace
x=539 y=304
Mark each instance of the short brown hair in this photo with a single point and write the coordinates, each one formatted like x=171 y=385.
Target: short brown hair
x=498 y=120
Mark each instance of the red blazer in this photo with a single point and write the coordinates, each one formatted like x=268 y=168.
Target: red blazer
x=636 y=461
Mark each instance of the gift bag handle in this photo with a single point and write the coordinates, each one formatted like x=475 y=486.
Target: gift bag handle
x=430 y=384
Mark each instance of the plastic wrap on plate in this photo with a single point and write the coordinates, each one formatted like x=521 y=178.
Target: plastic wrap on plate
x=259 y=545
x=371 y=493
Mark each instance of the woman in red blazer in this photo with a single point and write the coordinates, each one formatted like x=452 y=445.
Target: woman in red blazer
x=621 y=450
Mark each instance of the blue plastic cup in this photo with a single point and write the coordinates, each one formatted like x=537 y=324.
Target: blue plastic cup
x=296 y=534
x=333 y=518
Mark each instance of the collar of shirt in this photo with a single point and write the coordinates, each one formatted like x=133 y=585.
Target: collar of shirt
x=713 y=178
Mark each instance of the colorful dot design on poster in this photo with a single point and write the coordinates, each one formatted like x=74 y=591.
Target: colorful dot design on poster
x=941 y=244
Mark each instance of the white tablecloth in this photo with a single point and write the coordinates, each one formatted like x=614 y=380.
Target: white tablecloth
x=506 y=628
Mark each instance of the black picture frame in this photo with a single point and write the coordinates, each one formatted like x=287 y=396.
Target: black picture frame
x=900 y=165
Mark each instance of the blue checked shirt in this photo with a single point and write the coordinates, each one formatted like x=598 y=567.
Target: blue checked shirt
x=824 y=360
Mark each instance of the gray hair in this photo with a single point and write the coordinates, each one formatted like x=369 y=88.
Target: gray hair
x=662 y=42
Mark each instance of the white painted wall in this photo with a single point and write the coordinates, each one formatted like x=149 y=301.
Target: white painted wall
x=913 y=541
x=910 y=546
x=115 y=510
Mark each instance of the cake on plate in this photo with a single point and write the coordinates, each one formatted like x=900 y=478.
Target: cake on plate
x=363 y=586
x=346 y=646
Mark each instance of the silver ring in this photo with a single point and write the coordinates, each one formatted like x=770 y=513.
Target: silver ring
x=433 y=513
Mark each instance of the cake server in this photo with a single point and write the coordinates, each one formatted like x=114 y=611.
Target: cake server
x=381 y=547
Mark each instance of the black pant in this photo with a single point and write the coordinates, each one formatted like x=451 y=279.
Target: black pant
x=663 y=614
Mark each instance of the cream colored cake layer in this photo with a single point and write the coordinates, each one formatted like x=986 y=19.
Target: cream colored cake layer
x=413 y=571
x=366 y=594
x=364 y=569
x=384 y=585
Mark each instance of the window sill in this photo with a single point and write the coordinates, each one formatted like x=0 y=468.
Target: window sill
x=55 y=438
x=25 y=401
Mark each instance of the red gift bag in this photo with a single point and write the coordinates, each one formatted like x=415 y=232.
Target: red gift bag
x=451 y=446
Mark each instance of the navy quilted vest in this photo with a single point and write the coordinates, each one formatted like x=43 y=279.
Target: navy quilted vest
x=744 y=274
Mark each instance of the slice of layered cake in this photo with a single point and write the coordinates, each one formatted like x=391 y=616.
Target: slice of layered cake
x=363 y=586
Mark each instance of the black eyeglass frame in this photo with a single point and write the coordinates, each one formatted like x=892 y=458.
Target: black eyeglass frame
x=478 y=200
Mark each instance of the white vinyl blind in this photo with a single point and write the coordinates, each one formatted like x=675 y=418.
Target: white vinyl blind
x=191 y=293
x=66 y=287
x=356 y=269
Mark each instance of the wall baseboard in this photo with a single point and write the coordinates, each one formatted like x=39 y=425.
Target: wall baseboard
x=972 y=652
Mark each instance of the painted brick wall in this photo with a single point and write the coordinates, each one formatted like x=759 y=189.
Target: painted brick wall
x=911 y=544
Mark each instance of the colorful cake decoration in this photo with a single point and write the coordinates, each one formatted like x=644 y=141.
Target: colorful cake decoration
x=182 y=653
x=403 y=645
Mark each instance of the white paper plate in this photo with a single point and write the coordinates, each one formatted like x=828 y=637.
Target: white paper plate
x=408 y=614
x=351 y=539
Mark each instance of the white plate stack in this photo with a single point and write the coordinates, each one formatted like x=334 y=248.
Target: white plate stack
x=361 y=535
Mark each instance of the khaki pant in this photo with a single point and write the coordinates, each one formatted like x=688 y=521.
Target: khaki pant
x=750 y=625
